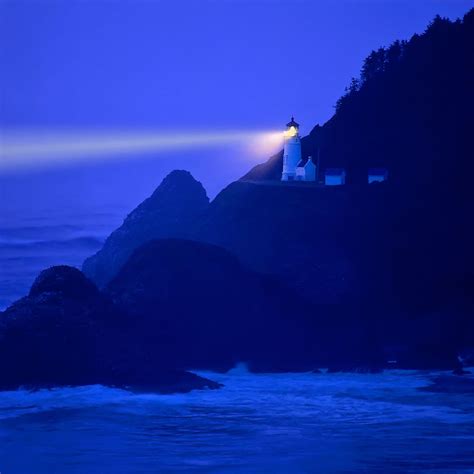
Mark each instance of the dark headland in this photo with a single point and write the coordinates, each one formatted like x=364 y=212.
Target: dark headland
x=286 y=277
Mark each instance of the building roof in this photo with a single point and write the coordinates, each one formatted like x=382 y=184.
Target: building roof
x=292 y=123
x=334 y=171
x=378 y=171
x=304 y=161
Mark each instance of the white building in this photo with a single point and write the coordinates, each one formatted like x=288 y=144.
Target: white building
x=306 y=170
x=377 y=175
x=335 y=177
x=291 y=151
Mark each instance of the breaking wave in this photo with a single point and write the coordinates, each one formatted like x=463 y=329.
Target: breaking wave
x=331 y=423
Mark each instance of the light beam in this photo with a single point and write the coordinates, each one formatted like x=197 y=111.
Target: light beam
x=32 y=149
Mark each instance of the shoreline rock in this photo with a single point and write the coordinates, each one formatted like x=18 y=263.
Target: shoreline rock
x=67 y=333
x=167 y=383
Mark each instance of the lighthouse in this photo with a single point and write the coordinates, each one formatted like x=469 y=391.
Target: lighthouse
x=291 y=151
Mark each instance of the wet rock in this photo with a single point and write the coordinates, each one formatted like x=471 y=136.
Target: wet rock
x=67 y=333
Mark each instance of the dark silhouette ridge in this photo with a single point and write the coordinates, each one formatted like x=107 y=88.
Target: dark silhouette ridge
x=200 y=308
x=410 y=112
x=168 y=212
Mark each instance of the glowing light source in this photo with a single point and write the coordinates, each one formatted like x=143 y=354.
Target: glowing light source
x=19 y=148
x=291 y=132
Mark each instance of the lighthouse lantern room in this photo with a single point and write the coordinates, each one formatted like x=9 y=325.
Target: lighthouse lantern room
x=291 y=151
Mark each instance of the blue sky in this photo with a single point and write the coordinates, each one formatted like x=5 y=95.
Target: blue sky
x=181 y=65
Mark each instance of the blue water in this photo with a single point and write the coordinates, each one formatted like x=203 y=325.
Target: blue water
x=32 y=240
x=287 y=423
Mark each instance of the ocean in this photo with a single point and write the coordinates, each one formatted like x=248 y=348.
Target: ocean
x=32 y=240
x=267 y=423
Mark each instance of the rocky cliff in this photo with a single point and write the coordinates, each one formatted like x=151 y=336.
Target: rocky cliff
x=199 y=306
x=169 y=212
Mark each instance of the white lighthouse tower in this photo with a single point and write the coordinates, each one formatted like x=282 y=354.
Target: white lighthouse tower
x=291 y=151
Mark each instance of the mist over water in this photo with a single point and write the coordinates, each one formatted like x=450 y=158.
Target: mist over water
x=51 y=215
x=61 y=214
x=301 y=423
x=31 y=242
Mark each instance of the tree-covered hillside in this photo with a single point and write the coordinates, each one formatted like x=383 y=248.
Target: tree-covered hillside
x=410 y=111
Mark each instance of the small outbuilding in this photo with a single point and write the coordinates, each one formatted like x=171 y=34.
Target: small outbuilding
x=306 y=170
x=377 y=175
x=335 y=177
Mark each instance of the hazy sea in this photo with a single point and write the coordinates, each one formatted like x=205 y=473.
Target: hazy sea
x=286 y=423
x=31 y=241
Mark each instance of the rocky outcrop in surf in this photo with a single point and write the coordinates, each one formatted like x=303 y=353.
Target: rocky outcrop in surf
x=66 y=332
